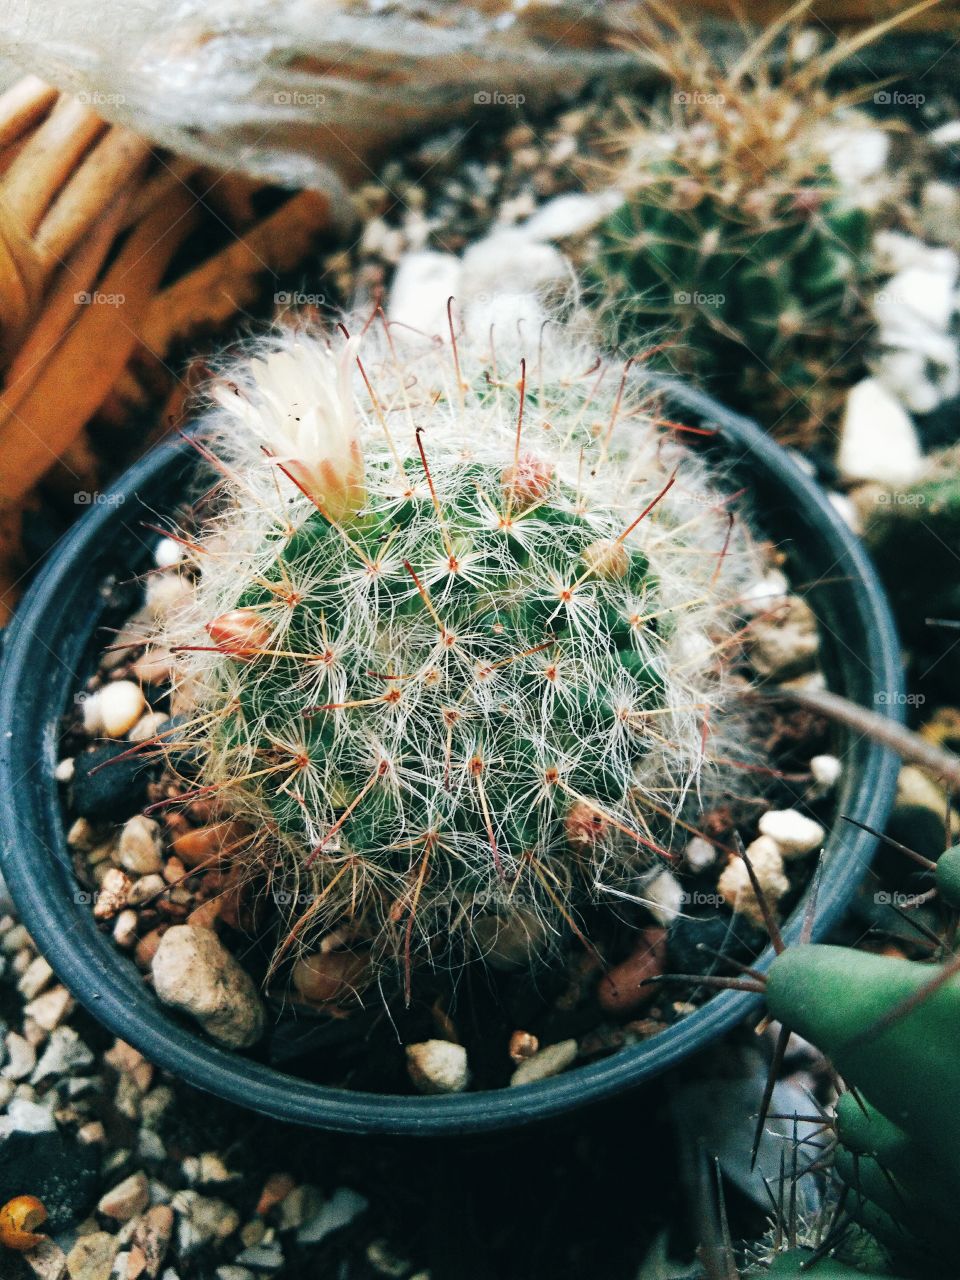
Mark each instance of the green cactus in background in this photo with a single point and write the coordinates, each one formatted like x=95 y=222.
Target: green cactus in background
x=738 y=244
x=452 y=637
x=913 y=535
x=890 y=1027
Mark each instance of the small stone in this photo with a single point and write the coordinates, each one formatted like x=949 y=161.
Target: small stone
x=194 y=972
x=7 y=1089
x=339 y=1211
x=47 y=1260
x=50 y=1009
x=128 y=1199
x=114 y=891
x=92 y=1134
x=303 y=1203
x=147 y=727
x=105 y=786
x=202 y=1220
x=699 y=854
x=35 y=979
x=209 y=844
x=437 y=1066
x=522 y=1045
x=64 y=770
x=624 y=988
x=91 y=1258
x=151 y=1148
x=127 y=1061
x=65 y=1054
x=121 y=705
x=152 y=1237
x=546 y=1062
x=125 y=929
x=275 y=1190
x=794 y=833
x=786 y=643
x=262 y=1257
x=232 y=1272
x=21 y=1057
x=878 y=440
x=81 y=835
x=167 y=553
x=663 y=896
x=15 y=939
x=147 y=948
x=826 y=771
x=331 y=977
x=164 y=592
x=140 y=848
x=735 y=886
x=144 y=889
x=207 y=1170
x=386 y=1261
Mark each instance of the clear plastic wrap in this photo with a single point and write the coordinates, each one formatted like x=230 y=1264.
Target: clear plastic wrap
x=302 y=92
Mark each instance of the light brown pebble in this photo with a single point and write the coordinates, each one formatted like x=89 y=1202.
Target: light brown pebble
x=49 y=1010
x=35 y=978
x=437 y=1066
x=139 y=850
x=522 y=1045
x=549 y=1061
x=47 y=1260
x=125 y=929
x=144 y=889
x=194 y=972
x=114 y=888
x=127 y=1199
x=120 y=704
x=736 y=887
x=275 y=1190
x=92 y=1134
x=91 y=1258
x=152 y=1237
x=147 y=727
x=208 y=844
x=81 y=835
x=146 y=948
x=206 y=915
x=622 y=989
x=332 y=977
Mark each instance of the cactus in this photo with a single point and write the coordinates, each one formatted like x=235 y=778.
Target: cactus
x=737 y=240
x=453 y=636
x=912 y=535
x=889 y=1026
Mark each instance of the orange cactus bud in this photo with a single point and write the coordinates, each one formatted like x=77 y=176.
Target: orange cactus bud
x=241 y=633
x=526 y=481
x=607 y=558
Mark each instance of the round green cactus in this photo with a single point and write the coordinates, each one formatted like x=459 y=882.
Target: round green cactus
x=454 y=641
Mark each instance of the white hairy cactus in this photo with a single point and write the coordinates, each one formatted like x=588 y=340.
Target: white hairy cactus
x=468 y=679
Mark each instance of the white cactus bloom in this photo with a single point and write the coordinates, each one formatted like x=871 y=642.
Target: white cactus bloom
x=299 y=406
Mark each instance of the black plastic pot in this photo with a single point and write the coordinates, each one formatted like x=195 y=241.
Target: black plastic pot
x=51 y=645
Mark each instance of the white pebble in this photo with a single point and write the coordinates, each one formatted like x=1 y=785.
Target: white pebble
x=549 y=1061
x=793 y=831
x=64 y=769
x=736 y=888
x=193 y=971
x=422 y=285
x=90 y=711
x=699 y=854
x=769 y=592
x=663 y=897
x=437 y=1066
x=140 y=847
x=826 y=771
x=164 y=592
x=121 y=705
x=148 y=726
x=168 y=552
x=878 y=440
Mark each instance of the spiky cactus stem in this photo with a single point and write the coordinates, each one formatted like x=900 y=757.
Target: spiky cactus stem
x=468 y=688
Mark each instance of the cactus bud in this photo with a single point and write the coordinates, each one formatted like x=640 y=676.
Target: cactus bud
x=241 y=633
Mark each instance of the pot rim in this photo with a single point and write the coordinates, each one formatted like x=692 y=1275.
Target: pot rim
x=90 y=966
